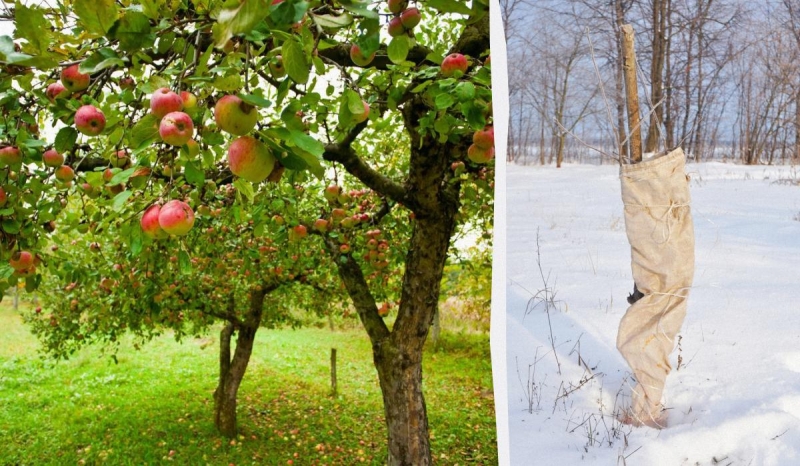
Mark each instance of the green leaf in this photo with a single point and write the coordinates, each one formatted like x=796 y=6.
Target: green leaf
x=255 y=100
x=120 y=199
x=333 y=22
x=10 y=56
x=133 y=32
x=441 y=125
x=465 y=91
x=354 y=102
x=97 y=16
x=398 y=49
x=245 y=187
x=6 y=271
x=292 y=161
x=10 y=226
x=193 y=174
x=150 y=8
x=288 y=12
x=306 y=143
x=450 y=6
x=295 y=61
x=444 y=100
x=228 y=83
x=32 y=282
x=184 y=262
x=202 y=63
x=136 y=240
x=65 y=139
x=313 y=164
x=33 y=143
x=238 y=20
x=122 y=176
x=474 y=114
x=31 y=25
x=359 y=8
x=145 y=131
x=103 y=58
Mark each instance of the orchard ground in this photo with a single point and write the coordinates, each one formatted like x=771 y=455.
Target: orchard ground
x=155 y=404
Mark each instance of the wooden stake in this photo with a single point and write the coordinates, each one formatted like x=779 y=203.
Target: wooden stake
x=333 y=370
x=631 y=92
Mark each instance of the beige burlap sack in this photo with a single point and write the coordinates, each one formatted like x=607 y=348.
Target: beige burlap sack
x=658 y=223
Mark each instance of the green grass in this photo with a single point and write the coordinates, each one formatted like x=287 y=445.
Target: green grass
x=155 y=405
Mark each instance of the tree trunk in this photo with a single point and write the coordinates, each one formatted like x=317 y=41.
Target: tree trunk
x=397 y=354
x=400 y=375
x=660 y=11
x=232 y=370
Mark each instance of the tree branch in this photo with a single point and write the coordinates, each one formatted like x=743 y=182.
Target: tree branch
x=340 y=54
x=353 y=279
x=343 y=153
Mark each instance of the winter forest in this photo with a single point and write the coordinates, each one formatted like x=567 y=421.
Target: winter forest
x=721 y=78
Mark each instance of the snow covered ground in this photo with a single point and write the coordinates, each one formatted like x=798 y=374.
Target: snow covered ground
x=735 y=399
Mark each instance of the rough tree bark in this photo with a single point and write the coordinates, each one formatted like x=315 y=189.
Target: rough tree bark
x=232 y=369
x=432 y=195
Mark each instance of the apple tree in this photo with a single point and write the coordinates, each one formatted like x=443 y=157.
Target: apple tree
x=234 y=265
x=110 y=108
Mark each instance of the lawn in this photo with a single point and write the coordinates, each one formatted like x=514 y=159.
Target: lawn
x=155 y=404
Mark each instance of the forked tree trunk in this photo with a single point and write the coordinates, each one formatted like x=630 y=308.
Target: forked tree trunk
x=397 y=354
x=232 y=370
x=433 y=195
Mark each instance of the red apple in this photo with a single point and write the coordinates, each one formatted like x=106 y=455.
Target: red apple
x=189 y=100
x=321 y=225
x=454 y=64
x=362 y=117
x=127 y=83
x=149 y=223
x=65 y=173
x=89 y=190
x=478 y=155
x=176 y=128
x=176 y=218
x=395 y=27
x=358 y=57
x=21 y=260
x=73 y=80
x=56 y=91
x=484 y=138
x=164 y=101
x=52 y=158
x=397 y=6
x=332 y=193
x=235 y=116
x=344 y=248
x=120 y=158
x=3 y=197
x=250 y=159
x=298 y=232
x=410 y=18
x=89 y=120
x=10 y=155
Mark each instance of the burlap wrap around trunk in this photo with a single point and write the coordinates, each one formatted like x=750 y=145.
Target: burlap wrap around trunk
x=658 y=223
